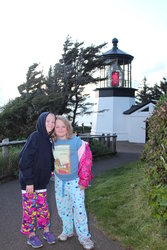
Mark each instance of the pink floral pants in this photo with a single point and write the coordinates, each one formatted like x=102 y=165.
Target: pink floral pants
x=35 y=212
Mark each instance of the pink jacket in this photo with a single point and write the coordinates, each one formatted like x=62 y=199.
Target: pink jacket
x=85 y=164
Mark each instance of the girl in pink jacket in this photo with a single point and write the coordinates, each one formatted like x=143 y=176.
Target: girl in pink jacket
x=73 y=162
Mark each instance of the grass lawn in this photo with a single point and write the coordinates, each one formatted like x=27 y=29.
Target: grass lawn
x=119 y=203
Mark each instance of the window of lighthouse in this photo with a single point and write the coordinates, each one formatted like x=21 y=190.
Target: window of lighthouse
x=114 y=75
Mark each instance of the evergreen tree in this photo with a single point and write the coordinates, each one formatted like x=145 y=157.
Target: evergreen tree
x=144 y=94
x=35 y=82
x=159 y=90
x=34 y=92
x=147 y=93
x=78 y=65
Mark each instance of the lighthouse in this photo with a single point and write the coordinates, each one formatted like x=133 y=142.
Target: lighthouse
x=114 y=94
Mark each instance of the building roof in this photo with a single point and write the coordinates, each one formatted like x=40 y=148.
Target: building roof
x=134 y=108
x=116 y=53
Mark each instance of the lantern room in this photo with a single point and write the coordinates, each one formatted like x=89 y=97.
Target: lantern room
x=117 y=69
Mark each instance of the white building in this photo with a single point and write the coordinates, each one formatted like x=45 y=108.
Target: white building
x=115 y=111
x=135 y=119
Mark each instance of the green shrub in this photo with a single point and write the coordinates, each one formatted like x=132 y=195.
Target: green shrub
x=14 y=160
x=11 y=167
x=99 y=149
x=2 y=165
x=155 y=154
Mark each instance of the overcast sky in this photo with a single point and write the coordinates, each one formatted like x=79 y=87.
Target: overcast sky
x=33 y=31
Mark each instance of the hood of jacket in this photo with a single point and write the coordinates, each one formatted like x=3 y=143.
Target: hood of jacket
x=40 y=125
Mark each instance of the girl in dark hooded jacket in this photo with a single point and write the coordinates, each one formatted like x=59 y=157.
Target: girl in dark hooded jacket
x=35 y=167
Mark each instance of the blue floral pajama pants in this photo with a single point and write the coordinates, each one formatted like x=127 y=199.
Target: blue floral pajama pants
x=70 y=201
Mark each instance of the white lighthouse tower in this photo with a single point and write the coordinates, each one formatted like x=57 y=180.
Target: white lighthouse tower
x=114 y=95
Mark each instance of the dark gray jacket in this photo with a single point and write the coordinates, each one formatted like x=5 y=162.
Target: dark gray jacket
x=36 y=158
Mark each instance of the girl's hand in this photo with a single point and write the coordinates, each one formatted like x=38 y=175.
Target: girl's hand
x=81 y=187
x=30 y=189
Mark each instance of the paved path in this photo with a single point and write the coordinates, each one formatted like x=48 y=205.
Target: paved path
x=11 y=209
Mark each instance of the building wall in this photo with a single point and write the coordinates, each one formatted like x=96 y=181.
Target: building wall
x=136 y=129
x=110 y=119
x=136 y=124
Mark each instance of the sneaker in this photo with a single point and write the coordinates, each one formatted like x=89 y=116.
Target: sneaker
x=87 y=243
x=34 y=241
x=49 y=237
x=64 y=237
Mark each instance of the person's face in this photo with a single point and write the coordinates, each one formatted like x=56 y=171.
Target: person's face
x=60 y=129
x=50 y=123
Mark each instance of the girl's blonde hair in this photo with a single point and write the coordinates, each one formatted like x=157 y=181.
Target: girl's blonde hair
x=67 y=124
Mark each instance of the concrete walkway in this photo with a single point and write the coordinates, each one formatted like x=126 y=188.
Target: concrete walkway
x=11 y=209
